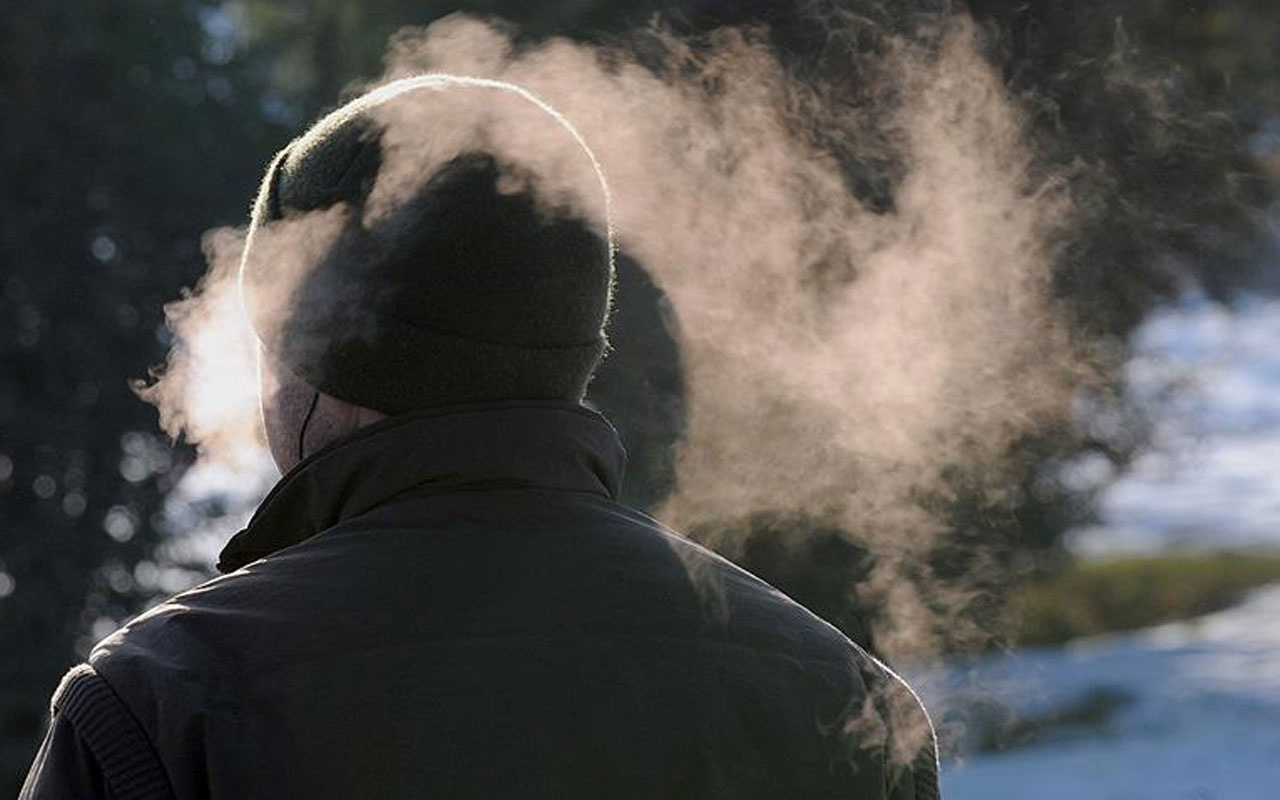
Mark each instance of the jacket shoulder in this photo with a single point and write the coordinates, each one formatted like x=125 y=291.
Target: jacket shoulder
x=95 y=747
x=178 y=654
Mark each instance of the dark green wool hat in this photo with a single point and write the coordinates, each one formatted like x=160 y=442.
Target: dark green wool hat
x=466 y=290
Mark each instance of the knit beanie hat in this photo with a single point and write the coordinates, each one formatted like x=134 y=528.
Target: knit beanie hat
x=399 y=281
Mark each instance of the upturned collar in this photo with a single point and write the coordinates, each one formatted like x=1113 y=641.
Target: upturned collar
x=550 y=445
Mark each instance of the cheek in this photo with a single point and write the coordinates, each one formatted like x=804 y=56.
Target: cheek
x=269 y=400
x=274 y=420
x=283 y=403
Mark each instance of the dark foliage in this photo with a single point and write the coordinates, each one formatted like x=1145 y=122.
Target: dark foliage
x=120 y=145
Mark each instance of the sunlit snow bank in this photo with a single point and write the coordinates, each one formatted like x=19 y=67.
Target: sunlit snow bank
x=1210 y=377
x=1197 y=713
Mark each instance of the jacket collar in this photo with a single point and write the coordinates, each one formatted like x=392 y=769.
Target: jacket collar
x=551 y=445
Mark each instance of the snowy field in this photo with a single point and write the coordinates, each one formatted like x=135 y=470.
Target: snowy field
x=1192 y=711
x=1211 y=378
x=1187 y=710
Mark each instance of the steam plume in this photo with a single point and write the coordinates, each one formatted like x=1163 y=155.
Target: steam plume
x=840 y=360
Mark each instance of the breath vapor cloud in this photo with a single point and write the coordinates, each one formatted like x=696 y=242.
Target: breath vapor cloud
x=840 y=360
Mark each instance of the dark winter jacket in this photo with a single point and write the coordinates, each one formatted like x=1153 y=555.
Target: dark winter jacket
x=453 y=604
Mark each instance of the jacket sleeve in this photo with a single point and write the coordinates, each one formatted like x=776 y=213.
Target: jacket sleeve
x=912 y=744
x=94 y=748
x=919 y=781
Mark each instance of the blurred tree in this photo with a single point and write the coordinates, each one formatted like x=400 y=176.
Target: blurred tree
x=128 y=129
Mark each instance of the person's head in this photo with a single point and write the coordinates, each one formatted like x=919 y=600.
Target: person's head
x=380 y=280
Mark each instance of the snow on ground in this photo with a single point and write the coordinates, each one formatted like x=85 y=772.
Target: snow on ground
x=1211 y=379
x=1198 y=713
x=1185 y=710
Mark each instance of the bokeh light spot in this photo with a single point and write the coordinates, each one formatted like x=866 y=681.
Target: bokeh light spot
x=104 y=249
x=120 y=523
x=73 y=504
x=44 y=486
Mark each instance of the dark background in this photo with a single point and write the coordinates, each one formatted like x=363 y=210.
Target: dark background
x=129 y=128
